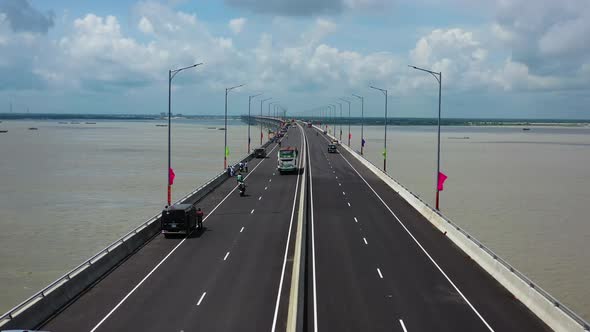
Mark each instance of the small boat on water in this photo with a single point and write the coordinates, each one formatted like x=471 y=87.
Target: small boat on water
x=211 y=128
x=75 y=122
x=62 y=122
x=220 y=128
x=90 y=122
x=3 y=131
x=33 y=128
x=161 y=125
x=526 y=129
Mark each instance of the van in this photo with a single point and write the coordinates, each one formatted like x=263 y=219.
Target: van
x=179 y=219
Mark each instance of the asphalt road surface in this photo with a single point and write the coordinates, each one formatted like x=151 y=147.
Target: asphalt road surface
x=378 y=265
x=225 y=278
x=373 y=263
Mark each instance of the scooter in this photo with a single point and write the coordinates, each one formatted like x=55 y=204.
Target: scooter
x=242 y=188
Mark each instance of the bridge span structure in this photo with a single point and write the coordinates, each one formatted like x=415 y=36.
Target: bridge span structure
x=337 y=246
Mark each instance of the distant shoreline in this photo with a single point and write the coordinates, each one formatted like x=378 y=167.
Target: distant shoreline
x=369 y=121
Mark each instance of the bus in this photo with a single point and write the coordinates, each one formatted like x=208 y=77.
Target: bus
x=287 y=160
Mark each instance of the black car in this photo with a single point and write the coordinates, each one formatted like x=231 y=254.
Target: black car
x=259 y=153
x=179 y=219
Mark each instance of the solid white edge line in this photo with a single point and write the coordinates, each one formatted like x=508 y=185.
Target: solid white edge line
x=168 y=255
x=224 y=258
x=379 y=271
x=201 y=299
x=276 y=314
x=421 y=247
x=401 y=322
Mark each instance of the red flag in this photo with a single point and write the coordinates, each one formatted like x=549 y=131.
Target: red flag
x=261 y=135
x=171 y=176
x=441 y=180
x=349 y=135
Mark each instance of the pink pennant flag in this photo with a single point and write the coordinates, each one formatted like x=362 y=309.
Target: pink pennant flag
x=171 y=176
x=441 y=180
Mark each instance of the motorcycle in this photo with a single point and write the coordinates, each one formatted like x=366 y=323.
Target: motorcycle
x=242 y=188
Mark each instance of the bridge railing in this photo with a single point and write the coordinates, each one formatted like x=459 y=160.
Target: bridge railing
x=532 y=285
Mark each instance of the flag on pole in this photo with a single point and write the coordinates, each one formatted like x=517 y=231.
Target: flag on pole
x=441 y=180
x=363 y=142
x=171 y=176
x=349 y=135
x=384 y=153
x=261 y=135
x=227 y=151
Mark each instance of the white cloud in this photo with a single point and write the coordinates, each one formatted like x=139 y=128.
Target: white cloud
x=237 y=25
x=145 y=25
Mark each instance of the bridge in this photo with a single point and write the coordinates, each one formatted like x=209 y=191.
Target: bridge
x=338 y=246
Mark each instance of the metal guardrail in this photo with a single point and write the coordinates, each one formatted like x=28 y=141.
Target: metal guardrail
x=566 y=310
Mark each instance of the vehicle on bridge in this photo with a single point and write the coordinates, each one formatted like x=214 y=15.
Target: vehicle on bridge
x=332 y=148
x=287 y=159
x=180 y=219
x=260 y=153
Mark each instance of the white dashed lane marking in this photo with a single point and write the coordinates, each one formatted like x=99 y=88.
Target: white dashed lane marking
x=225 y=257
x=241 y=230
x=201 y=299
x=380 y=275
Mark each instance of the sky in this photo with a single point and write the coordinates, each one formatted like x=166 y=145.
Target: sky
x=498 y=58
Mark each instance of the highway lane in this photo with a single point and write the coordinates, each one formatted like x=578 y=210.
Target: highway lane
x=225 y=278
x=372 y=274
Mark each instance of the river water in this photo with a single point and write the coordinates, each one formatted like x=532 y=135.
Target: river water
x=68 y=190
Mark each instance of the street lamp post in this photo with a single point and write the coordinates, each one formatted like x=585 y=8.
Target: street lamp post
x=348 y=101
x=340 y=104
x=249 y=106
x=362 y=120
x=438 y=77
x=171 y=74
x=262 y=101
x=333 y=115
x=225 y=152
x=385 y=135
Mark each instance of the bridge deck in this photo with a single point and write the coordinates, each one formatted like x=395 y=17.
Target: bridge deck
x=366 y=270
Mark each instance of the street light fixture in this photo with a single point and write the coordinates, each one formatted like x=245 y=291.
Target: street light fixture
x=385 y=135
x=349 y=102
x=171 y=74
x=262 y=101
x=225 y=150
x=362 y=121
x=249 y=105
x=438 y=77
